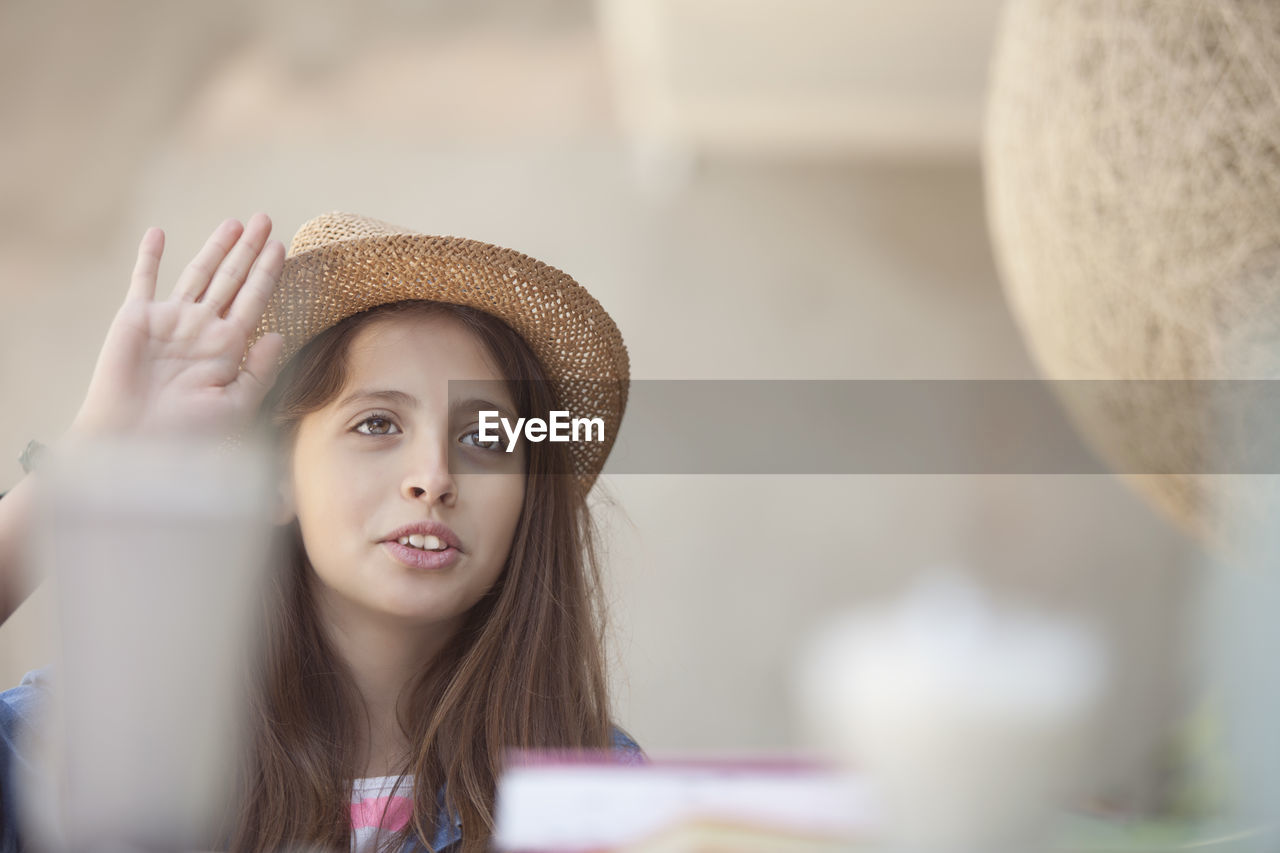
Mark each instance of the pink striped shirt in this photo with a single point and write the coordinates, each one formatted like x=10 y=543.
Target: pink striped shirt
x=379 y=805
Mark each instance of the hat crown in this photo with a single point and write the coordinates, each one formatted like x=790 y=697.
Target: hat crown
x=336 y=227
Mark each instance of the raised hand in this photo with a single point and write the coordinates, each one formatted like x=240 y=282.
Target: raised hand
x=175 y=366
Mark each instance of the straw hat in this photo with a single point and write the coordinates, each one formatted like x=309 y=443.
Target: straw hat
x=341 y=264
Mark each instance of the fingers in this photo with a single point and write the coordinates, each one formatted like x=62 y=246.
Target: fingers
x=143 y=283
x=251 y=300
x=234 y=269
x=197 y=275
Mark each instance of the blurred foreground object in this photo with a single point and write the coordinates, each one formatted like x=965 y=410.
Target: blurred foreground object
x=1239 y=637
x=156 y=550
x=563 y=804
x=969 y=720
x=1132 y=161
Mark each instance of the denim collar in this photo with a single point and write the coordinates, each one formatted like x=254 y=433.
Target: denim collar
x=448 y=830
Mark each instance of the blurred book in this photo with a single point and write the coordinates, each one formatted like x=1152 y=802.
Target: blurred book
x=698 y=837
x=550 y=803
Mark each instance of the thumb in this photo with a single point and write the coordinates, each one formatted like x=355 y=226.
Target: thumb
x=260 y=369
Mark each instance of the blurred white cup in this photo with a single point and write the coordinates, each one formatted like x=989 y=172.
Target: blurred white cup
x=157 y=550
x=968 y=718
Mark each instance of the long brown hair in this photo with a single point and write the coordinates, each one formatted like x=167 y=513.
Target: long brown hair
x=526 y=670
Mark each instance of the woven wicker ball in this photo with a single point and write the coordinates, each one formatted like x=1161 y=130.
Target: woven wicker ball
x=1132 y=161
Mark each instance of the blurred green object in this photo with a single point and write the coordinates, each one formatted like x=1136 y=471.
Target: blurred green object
x=1192 y=816
x=1196 y=765
x=1089 y=835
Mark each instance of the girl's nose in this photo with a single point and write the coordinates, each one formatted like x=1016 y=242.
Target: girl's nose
x=430 y=480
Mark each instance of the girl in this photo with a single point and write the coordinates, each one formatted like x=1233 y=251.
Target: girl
x=441 y=603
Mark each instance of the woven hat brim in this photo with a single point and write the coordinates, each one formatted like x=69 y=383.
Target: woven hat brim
x=571 y=334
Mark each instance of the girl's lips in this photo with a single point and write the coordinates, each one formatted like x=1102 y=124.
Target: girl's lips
x=416 y=558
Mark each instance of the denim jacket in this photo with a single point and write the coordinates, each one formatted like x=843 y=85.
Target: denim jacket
x=25 y=705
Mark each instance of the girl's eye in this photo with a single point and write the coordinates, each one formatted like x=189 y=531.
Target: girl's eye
x=495 y=444
x=377 y=425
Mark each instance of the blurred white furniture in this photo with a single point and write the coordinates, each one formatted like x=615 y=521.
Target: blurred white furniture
x=808 y=77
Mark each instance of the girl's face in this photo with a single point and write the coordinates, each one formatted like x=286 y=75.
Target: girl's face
x=387 y=454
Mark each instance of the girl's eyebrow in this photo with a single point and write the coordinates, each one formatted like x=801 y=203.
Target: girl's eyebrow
x=400 y=398
x=407 y=400
x=478 y=404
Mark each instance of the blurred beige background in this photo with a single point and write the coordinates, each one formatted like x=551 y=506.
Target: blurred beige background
x=753 y=190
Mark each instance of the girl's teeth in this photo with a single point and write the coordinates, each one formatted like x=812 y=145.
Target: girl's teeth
x=426 y=543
